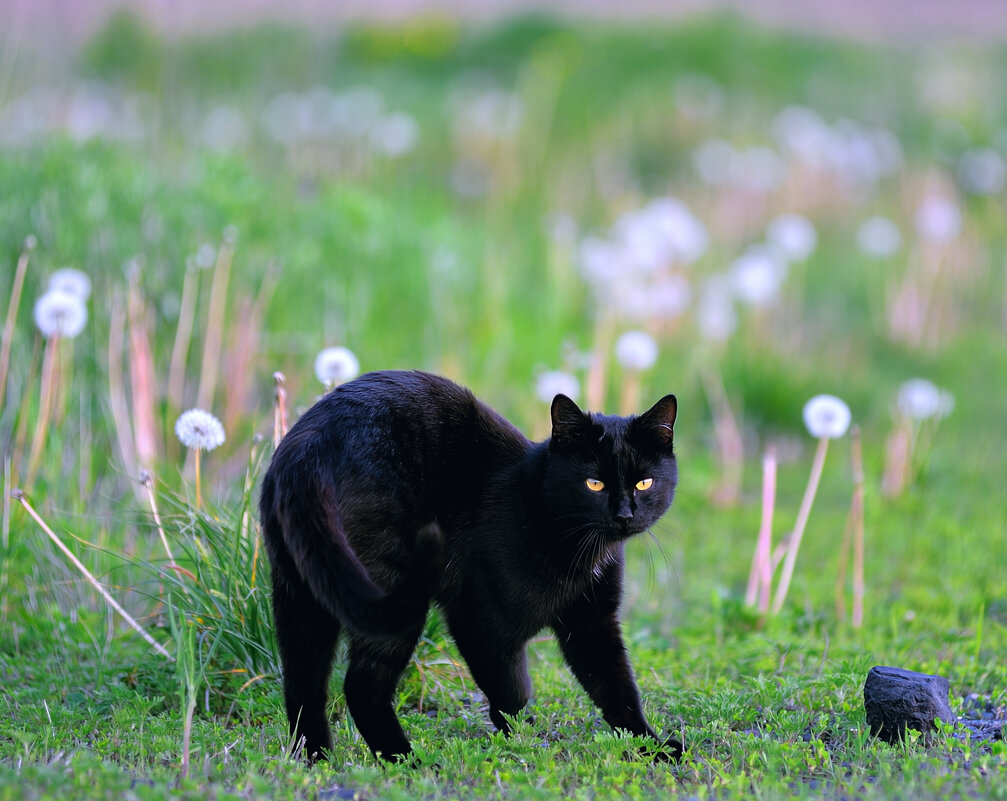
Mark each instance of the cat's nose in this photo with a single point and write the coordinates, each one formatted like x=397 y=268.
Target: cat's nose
x=625 y=511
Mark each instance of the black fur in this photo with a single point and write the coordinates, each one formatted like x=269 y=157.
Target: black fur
x=400 y=488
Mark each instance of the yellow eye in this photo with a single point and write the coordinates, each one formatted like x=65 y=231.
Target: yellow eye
x=595 y=485
x=645 y=484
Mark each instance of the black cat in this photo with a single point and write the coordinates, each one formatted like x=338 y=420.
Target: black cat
x=400 y=488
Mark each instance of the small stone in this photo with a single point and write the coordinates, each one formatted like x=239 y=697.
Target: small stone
x=897 y=699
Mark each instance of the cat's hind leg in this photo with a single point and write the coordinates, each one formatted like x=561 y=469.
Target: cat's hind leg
x=372 y=677
x=307 y=636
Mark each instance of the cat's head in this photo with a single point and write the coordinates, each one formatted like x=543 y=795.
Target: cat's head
x=613 y=476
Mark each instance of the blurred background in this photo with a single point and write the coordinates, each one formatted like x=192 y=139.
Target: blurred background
x=746 y=204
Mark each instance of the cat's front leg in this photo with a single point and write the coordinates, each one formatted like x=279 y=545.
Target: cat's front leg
x=500 y=671
x=592 y=644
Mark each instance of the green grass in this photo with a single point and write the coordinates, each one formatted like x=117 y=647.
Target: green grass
x=337 y=245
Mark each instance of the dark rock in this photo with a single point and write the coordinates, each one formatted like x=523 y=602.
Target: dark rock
x=897 y=699
x=985 y=729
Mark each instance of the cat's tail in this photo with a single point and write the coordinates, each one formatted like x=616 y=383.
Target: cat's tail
x=312 y=534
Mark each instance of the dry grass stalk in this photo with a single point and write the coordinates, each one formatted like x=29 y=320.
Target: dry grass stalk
x=281 y=421
x=730 y=443
x=853 y=538
x=631 y=383
x=12 y=308
x=242 y=347
x=604 y=336
x=183 y=336
x=141 y=376
x=117 y=390
x=215 y=325
x=760 y=579
x=857 y=513
x=898 y=457
x=23 y=499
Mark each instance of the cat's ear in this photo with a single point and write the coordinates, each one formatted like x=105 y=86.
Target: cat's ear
x=569 y=423
x=658 y=422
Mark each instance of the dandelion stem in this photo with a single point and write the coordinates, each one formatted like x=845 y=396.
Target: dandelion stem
x=802 y=520
x=199 y=490
x=147 y=479
x=44 y=408
x=23 y=499
x=12 y=308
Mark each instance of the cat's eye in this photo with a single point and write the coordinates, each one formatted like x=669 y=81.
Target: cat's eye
x=595 y=485
x=644 y=484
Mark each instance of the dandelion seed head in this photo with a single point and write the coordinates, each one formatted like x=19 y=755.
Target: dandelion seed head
x=205 y=256
x=59 y=313
x=982 y=171
x=199 y=430
x=938 y=219
x=335 y=365
x=636 y=350
x=918 y=399
x=30 y=242
x=716 y=162
x=72 y=280
x=756 y=276
x=879 y=237
x=794 y=235
x=826 y=416
x=556 y=382
x=395 y=134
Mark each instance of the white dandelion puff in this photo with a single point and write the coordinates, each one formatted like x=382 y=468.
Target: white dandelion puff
x=556 y=382
x=826 y=417
x=199 y=430
x=879 y=237
x=636 y=350
x=982 y=171
x=72 y=280
x=206 y=256
x=794 y=235
x=395 y=134
x=59 y=313
x=918 y=399
x=938 y=219
x=335 y=365
x=756 y=276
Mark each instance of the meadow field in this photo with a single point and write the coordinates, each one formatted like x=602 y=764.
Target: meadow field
x=744 y=217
